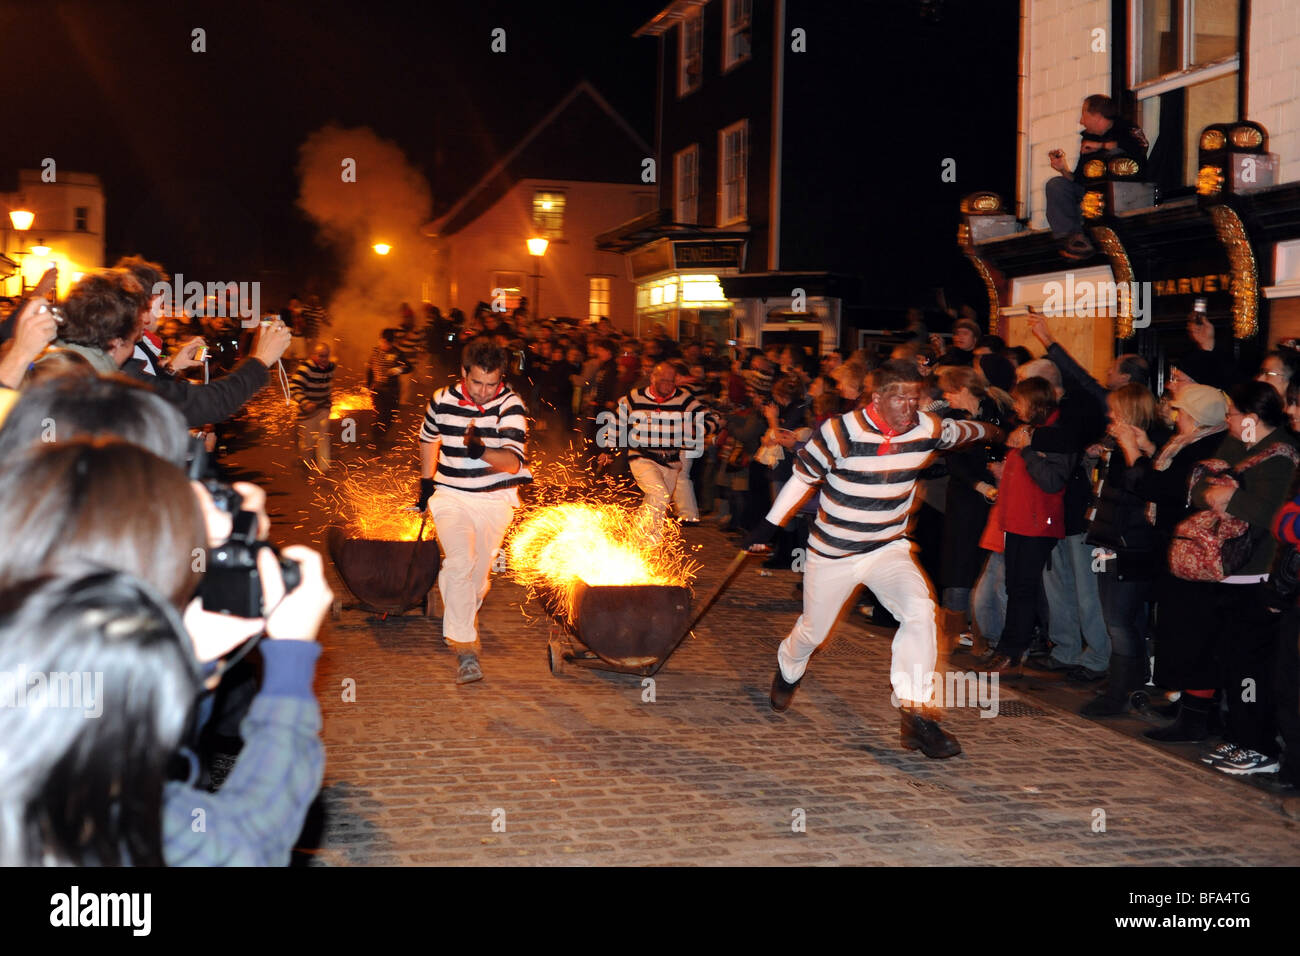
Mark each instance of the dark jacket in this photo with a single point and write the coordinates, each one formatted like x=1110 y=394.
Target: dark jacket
x=966 y=511
x=1168 y=489
x=205 y=404
x=1262 y=491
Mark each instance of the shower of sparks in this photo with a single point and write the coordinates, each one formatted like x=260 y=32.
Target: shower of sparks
x=374 y=500
x=575 y=530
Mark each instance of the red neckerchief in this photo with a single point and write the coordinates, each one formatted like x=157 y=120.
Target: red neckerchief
x=873 y=416
x=155 y=340
x=655 y=398
x=467 y=402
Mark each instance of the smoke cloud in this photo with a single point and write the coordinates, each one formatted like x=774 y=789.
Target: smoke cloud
x=388 y=202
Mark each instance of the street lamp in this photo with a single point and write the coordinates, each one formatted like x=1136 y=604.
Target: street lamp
x=537 y=248
x=382 y=248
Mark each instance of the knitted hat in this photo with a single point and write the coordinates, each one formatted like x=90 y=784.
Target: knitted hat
x=1206 y=405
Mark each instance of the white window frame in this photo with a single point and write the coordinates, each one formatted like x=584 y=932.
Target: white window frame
x=593 y=312
x=730 y=30
x=685 y=87
x=1188 y=74
x=724 y=185
x=503 y=279
x=682 y=211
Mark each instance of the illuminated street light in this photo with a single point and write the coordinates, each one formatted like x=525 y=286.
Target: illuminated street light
x=383 y=248
x=22 y=219
x=40 y=249
x=537 y=248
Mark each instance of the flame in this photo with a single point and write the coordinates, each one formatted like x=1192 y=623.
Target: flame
x=352 y=400
x=597 y=539
x=374 y=500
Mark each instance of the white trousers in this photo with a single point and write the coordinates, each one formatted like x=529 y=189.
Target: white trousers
x=658 y=484
x=470 y=528
x=896 y=581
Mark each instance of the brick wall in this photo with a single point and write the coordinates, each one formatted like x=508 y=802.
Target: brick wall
x=1063 y=69
x=1273 y=81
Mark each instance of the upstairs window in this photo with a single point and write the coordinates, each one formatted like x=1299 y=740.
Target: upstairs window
x=735 y=40
x=548 y=214
x=690 y=54
x=686 y=185
x=81 y=218
x=733 y=173
x=597 y=298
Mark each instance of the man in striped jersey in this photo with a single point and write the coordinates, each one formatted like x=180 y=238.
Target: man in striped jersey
x=867 y=462
x=471 y=467
x=659 y=425
x=312 y=387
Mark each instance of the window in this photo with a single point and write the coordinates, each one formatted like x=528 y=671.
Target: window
x=1172 y=37
x=733 y=155
x=548 y=214
x=735 y=40
x=507 y=290
x=597 y=297
x=690 y=56
x=686 y=185
x=81 y=218
x=1185 y=73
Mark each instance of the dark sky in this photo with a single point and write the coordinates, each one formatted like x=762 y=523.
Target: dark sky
x=197 y=151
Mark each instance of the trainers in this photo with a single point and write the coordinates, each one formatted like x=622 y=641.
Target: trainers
x=1248 y=761
x=1225 y=751
x=468 y=668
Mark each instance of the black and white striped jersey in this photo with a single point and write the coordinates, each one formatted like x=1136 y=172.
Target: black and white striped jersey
x=502 y=423
x=867 y=478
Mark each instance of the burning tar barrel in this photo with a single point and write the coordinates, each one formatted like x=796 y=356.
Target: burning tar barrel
x=385 y=576
x=631 y=627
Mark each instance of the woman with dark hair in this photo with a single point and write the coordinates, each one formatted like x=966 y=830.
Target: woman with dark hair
x=89 y=792
x=1030 y=513
x=1218 y=635
x=972 y=487
x=66 y=407
x=81 y=501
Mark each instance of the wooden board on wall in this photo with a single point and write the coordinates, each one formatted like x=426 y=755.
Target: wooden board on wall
x=1090 y=341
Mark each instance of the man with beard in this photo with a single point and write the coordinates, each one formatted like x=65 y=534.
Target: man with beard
x=867 y=462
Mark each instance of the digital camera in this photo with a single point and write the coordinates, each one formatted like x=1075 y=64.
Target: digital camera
x=231 y=582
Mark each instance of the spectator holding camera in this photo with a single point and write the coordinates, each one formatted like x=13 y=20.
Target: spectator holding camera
x=128 y=626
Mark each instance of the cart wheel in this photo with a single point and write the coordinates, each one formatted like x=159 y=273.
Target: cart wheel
x=1140 y=700
x=555 y=657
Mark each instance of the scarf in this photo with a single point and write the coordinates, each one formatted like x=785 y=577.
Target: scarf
x=1164 y=458
x=873 y=416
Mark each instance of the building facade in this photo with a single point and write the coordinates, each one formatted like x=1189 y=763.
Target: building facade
x=67 y=229
x=575 y=174
x=1217 y=214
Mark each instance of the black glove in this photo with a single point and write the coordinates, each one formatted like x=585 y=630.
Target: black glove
x=473 y=444
x=761 y=535
x=426 y=492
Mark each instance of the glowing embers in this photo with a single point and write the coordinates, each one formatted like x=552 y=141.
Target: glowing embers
x=371 y=500
x=558 y=546
x=352 y=400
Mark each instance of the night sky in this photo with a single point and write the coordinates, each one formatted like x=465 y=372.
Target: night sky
x=197 y=151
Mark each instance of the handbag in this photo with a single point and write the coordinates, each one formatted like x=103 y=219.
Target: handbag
x=1207 y=545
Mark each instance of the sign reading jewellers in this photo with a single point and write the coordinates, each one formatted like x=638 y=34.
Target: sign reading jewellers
x=709 y=254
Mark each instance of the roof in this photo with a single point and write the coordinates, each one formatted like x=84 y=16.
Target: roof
x=581 y=139
x=669 y=17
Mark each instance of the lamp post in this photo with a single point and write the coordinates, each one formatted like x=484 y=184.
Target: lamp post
x=22 y=220
x=537 y=249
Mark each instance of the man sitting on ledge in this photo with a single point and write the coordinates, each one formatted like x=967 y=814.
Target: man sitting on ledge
x=1102 y=133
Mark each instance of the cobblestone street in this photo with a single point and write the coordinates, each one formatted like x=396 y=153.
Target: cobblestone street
x=585 y=768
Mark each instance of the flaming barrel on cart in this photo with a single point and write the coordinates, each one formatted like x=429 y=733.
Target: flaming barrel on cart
x=630 y=628
x=386 y=577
